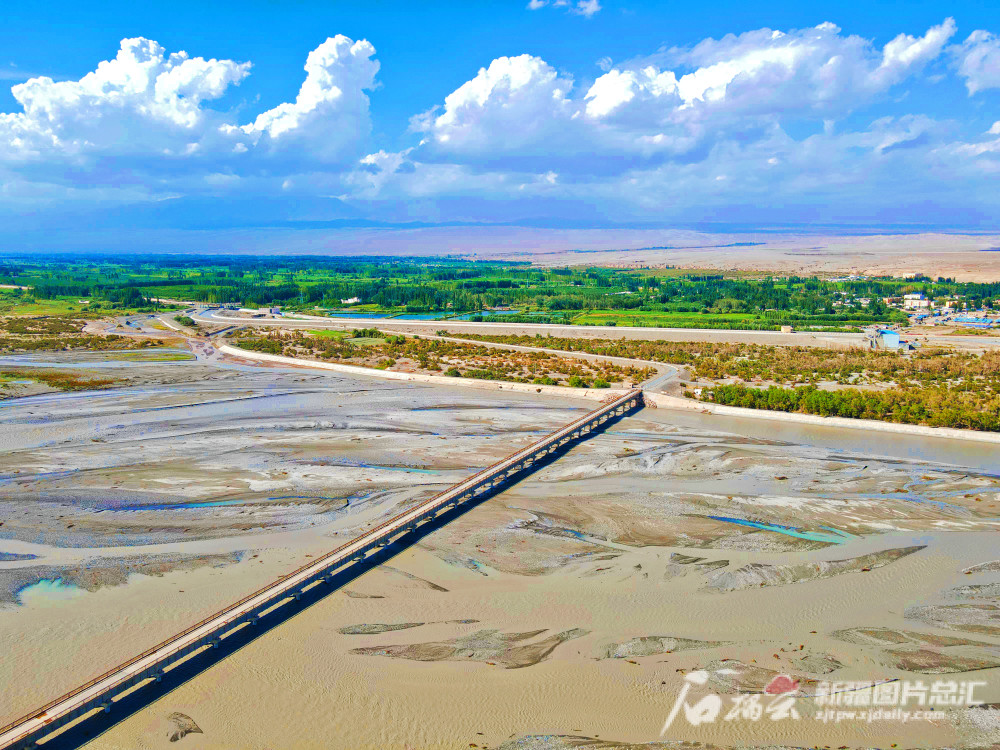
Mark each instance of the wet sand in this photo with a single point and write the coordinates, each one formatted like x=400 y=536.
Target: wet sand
x=570 y=605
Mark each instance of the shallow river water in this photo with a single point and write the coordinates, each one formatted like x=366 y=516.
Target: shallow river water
x=569 y=606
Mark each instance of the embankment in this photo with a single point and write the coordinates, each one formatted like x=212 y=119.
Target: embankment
x=593 y=394
x=673 y=402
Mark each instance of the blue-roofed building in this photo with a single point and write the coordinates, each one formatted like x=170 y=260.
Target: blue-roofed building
x=888 y=339
x=976 y=322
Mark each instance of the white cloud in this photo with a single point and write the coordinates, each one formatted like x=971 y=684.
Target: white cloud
x=586 y=8
x=142 y=101
x=816 y=69
x=519 y=109
x=979 y=61
x=670 y=134
x=144 y=113
x=329 y=118
x=513 y=104
x=905 y=53
x=616 y=88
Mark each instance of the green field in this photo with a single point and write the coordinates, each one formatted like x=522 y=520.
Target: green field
x=582 y=295
x=327 y=334
x=662 y=319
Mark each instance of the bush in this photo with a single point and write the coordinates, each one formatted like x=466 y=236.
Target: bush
x=453 y=372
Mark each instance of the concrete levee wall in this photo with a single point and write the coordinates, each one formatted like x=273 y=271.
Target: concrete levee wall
x=673 y=402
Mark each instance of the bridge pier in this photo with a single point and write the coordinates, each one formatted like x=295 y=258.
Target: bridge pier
x=99 y=692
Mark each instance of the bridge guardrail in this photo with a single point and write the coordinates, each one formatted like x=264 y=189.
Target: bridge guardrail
x=279 y=589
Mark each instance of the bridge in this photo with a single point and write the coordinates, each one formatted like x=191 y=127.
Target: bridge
x=100 y=693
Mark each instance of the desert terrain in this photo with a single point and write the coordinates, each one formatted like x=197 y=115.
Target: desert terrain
x=965 y=256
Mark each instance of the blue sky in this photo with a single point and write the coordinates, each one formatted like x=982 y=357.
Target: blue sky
x=133 y=117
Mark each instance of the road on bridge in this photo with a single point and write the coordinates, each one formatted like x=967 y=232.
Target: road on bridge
x=100 y=692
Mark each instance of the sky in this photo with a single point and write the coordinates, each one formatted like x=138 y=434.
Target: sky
x=121 y=122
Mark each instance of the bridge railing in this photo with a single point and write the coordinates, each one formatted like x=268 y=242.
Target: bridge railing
x=279 y=589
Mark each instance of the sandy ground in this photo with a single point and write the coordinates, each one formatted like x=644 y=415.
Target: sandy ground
x=966 y=257
x=569 y=606
x=963 y=256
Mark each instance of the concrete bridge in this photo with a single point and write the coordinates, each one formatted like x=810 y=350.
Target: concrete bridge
x=101 y=693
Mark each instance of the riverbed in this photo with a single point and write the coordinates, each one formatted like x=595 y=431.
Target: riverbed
x=570 y=606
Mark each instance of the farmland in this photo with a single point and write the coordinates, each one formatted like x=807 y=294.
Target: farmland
x=444 y=288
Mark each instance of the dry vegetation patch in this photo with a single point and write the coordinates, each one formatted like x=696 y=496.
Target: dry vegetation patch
x=61 y=333
x=937 y=387
x=371 y=348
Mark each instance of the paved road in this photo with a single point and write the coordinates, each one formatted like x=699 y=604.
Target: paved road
x=660 y=381
x=102 y=690
x=708 y=335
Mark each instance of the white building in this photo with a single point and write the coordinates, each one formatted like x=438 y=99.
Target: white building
x=916 y=301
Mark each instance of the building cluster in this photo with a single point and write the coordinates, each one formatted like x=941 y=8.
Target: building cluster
x=919 y=301
x=943 y=311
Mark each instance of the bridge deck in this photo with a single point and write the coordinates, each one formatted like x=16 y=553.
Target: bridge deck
x=100 y=691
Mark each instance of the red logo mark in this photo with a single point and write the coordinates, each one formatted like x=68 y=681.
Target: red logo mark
x=781 y=684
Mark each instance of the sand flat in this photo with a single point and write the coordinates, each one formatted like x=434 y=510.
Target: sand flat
x=569 y=605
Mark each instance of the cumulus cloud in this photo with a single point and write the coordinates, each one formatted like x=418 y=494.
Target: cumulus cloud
x=619 y=87
x=330 y=114
x=672 y=106
x=979 y=61
x=141 y=102
x=682 y=130
x=514 y=104
x=144 y=112
x=814 y=70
